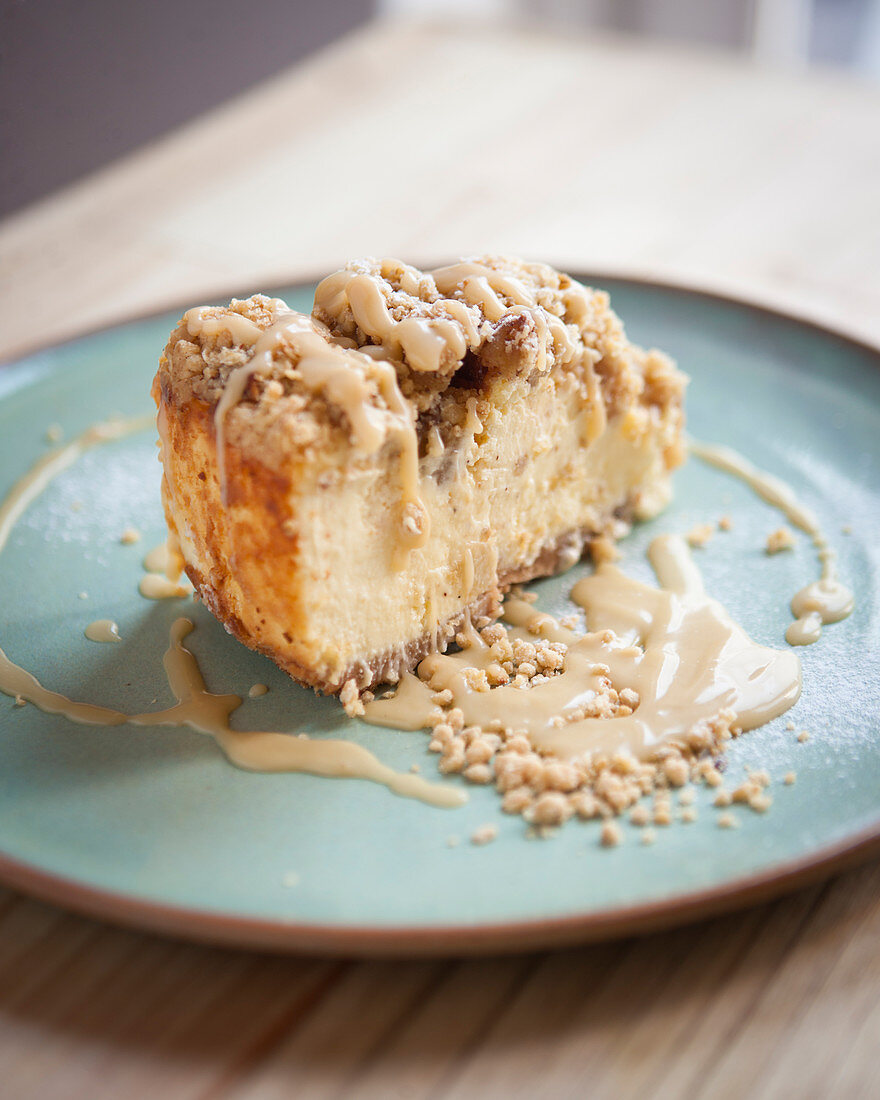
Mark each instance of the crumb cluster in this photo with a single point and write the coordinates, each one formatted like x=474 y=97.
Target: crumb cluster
x=753 y=792
x=548 y=791
x=485 y=834
x=518 y=662
x=351 y=699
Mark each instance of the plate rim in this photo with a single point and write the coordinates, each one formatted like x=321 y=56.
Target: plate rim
x=408 y=941
x=276 y=934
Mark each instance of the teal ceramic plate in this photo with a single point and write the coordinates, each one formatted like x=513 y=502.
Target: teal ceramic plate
x=153 y=827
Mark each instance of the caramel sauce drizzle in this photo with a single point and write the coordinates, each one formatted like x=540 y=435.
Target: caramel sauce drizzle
x=207 y=712
x=103 y=630
x=823 y=601
x=675 y=646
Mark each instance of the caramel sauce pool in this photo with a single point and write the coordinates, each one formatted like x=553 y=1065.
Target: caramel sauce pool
x=676 y=647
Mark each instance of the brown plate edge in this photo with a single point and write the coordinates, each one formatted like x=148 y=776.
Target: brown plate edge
x=450 y=940
x=204 y=926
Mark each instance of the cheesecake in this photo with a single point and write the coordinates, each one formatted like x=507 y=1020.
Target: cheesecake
x=349 y=488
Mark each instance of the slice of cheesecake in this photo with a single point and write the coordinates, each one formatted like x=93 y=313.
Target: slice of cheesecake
x=347 y=488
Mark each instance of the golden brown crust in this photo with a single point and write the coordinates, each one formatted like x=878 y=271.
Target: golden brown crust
x=252 y=527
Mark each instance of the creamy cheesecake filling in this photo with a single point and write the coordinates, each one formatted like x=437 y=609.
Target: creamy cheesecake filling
x=485 y=526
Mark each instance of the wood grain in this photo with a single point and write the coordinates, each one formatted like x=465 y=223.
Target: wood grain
x=429 y=142
x=782 y=1000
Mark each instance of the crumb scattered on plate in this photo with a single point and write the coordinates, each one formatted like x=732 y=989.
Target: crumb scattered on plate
x=611 y=835
x=700 y=535
x=485 y=834
x=780 y=539
x=640 y=815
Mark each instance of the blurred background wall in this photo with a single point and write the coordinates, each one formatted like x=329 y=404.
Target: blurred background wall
x=85 y=81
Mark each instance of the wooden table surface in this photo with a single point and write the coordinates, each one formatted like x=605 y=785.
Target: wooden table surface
x=427 y=143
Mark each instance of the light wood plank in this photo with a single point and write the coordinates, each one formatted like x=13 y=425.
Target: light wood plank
x=348 y=1031
x=802 y=1031
x=90 y=1011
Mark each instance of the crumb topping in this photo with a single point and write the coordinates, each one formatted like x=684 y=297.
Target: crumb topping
x=450 y=335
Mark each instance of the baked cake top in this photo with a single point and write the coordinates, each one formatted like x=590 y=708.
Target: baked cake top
x=387 y=342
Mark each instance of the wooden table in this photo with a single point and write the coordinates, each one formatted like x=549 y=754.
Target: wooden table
x=427 y=143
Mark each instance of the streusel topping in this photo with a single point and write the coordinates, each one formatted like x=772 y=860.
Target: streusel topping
x=464 y=331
